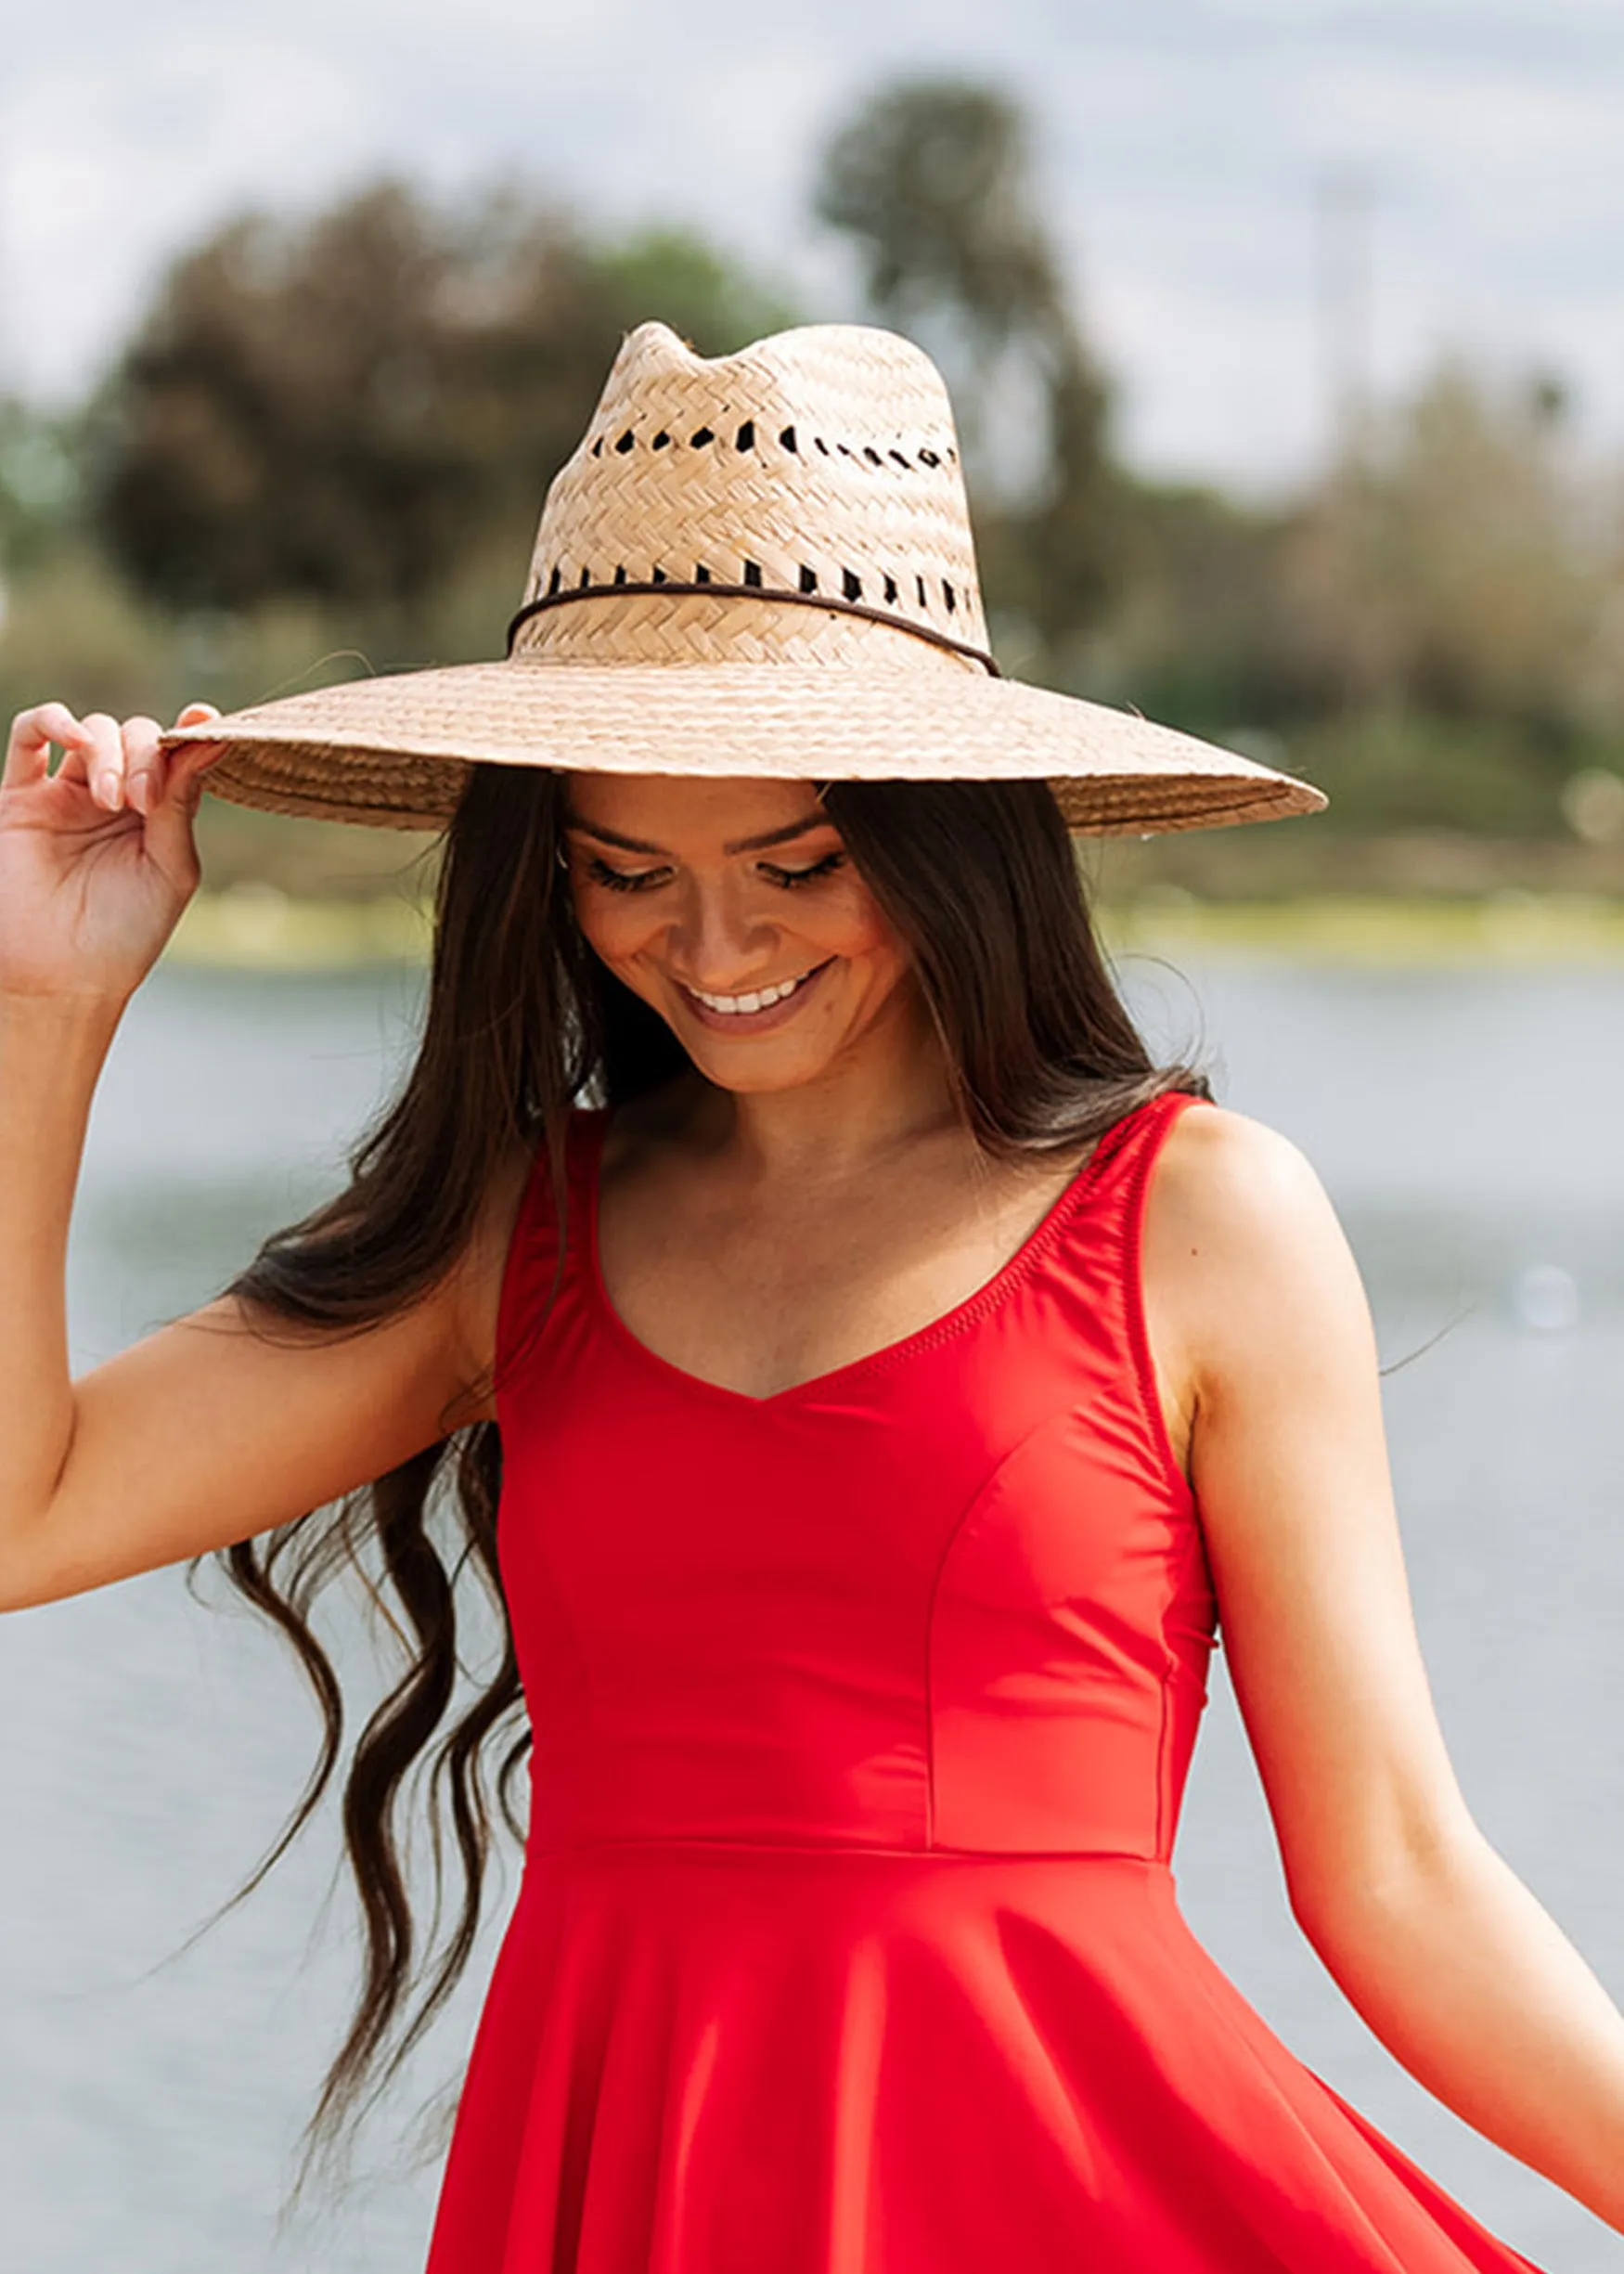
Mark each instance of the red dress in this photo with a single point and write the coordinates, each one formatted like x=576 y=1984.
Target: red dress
x=847 y=1941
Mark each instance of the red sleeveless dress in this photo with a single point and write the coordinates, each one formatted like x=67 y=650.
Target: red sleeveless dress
x=847 y=1941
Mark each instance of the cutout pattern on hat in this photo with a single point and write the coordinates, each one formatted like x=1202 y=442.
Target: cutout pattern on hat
x=821 y=461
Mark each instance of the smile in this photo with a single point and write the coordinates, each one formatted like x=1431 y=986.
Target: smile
x=751 y=1003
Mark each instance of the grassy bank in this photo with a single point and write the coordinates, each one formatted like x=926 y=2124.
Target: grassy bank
x=254 y=926
x=1509 y=927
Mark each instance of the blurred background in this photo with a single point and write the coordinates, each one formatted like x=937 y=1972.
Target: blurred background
x=1287 y=342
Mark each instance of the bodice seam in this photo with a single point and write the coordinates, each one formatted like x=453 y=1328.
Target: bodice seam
x=955 y=1534
x=721 y=1844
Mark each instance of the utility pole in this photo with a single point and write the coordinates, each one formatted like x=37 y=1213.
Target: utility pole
x=1344 y=205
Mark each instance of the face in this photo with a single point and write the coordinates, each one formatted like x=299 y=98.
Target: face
x=734 y=911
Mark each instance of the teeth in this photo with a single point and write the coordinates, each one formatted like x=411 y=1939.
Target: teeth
x=760 y=999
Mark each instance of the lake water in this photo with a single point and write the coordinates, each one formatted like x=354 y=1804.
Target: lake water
x=1467 y=1126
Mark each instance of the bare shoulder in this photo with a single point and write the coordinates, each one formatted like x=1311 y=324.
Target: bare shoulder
x=1242 y=1249
x=1223 y=1177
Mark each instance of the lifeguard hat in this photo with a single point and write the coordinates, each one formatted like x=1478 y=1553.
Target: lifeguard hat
x=756 y=564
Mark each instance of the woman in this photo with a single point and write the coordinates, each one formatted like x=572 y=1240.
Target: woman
x=888 y=1378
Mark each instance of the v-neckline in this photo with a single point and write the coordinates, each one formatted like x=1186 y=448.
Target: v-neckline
x=955 y=1320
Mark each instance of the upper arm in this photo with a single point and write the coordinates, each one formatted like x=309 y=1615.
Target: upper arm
x=218 y=1426
x=1259 y=1321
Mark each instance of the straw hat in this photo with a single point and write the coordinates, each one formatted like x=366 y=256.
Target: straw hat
x=759 y=565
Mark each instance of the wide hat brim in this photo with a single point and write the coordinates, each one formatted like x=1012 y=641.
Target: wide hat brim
x=395 y=751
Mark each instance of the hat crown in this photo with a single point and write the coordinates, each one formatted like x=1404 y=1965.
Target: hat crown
x=821 y=461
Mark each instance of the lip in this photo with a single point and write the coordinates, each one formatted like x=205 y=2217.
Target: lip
x=753 y=1022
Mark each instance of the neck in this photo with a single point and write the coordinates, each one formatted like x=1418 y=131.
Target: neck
x=889 y=1090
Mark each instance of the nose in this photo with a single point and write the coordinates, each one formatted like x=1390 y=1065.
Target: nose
x=716 y=936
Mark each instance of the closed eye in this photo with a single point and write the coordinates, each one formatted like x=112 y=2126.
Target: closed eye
x=625 y=879
x=789 y=878
x=648 y=880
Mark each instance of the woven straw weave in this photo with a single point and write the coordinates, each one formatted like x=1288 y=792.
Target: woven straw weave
x=820 y=465
x=826 y=453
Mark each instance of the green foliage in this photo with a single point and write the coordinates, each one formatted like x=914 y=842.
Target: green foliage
x=932 y=181
x=340 y=410
x=1195 y=635
x=75 y=629
x=1429 y=633
x=672 y=277
x=327 y=410
x=1194 y=629
x=74 y=632
x=40 y=483
x=1397 y=769
x=1455 y=566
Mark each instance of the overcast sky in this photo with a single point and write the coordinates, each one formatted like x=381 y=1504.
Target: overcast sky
x=1182 y=143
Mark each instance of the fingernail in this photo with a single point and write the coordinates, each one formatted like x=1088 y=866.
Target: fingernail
x=107 y=792
x=138 y=792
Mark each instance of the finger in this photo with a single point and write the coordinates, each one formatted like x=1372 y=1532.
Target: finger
x=105 y=762
x=143 y=775
x=28 y=753
x=183 y=766
x=184 y=762
x=167 y=838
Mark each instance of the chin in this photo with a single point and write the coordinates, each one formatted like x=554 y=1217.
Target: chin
x=753 y=1072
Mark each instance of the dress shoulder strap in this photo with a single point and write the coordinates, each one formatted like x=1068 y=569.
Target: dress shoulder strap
x=1118 y=1179
x=545 y=1249
x=1089 y=1243
x=1126 y=1152
x=1097 y=1269
x=1144 y=1133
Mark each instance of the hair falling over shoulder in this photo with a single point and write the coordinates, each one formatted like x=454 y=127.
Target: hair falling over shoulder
x=521 y=1024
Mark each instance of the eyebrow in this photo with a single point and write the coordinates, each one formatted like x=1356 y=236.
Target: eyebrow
x=786 y=836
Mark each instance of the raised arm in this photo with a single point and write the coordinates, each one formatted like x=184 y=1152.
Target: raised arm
x=1256 y=1309
x=206 y=1432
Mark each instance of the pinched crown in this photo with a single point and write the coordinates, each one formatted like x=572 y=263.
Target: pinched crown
x=820 y=462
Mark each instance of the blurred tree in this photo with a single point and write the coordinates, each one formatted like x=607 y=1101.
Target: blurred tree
x=674 y=277
x=1451 y=568
x=932 y=180
x=39 y=481
x=328 y=410
x=340 y=410
x=1196 y=635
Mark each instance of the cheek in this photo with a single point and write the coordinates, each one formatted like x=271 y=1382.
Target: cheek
x=854 y=926
x=614 y=926
x=843 y=919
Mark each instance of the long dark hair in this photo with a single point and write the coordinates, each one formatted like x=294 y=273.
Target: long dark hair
x=522 y=1022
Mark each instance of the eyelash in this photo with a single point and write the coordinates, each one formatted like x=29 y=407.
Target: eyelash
x=648 y=880
x=790 y=878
